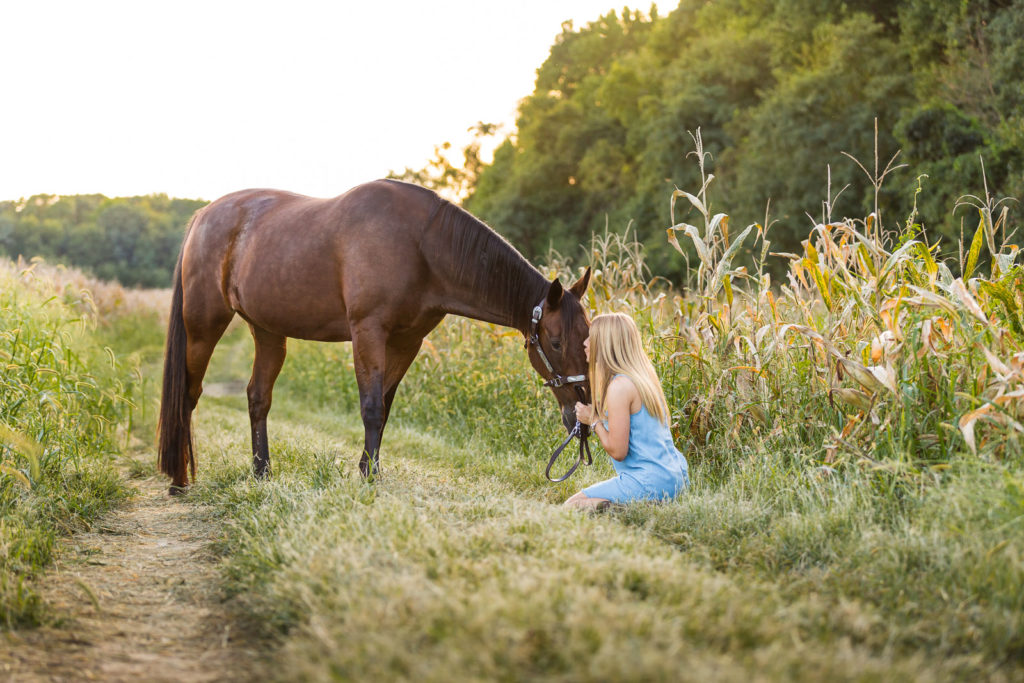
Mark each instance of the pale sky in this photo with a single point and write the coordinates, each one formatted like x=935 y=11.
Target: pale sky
x=198 y=98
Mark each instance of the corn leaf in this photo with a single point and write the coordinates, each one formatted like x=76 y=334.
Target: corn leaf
x=853 y=397
x=694 y=234
x=965 y=297
x=819 y=280
x=695 y=201
x=975 y=251
x=726 y=260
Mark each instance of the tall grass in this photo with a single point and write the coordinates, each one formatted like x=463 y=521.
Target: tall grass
x=854 y=437
x=63 y=415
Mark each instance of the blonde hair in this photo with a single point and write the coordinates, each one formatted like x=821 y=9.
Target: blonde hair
x=616 y=349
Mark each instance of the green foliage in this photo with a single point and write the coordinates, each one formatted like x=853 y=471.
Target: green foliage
x=780 y=90
x=60 y=403
x=133 y=240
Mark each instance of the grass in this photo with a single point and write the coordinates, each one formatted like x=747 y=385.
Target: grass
x=62 y=400
x=454 y=563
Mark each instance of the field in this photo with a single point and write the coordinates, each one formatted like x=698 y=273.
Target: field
x=852 y=426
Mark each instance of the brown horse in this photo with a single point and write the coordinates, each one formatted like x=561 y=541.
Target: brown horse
x=380 y=265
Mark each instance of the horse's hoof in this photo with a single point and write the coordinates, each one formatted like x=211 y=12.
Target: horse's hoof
x=177 y=490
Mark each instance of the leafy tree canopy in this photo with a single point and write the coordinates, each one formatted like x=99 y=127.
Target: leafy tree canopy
x=783 y=91
x=133 y=240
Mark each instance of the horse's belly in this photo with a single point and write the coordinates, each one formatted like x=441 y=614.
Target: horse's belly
x=293 y=307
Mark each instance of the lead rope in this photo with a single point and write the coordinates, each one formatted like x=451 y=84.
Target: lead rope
x=579 y=430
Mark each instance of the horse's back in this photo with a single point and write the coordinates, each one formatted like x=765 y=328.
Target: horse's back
x=304 y=266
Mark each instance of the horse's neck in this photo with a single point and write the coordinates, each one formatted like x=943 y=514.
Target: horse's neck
x=481 y=276
x=511 y=312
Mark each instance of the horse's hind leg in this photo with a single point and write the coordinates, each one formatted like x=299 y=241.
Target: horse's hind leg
x=270 y=353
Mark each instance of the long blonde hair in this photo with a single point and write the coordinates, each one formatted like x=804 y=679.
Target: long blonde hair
x=616 y=349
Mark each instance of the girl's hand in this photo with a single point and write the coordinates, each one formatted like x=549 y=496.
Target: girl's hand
x=584 y=413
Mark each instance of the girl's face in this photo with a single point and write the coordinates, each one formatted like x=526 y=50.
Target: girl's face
x=586 y=347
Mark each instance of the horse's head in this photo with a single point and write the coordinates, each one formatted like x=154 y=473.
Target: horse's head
x=558 y=337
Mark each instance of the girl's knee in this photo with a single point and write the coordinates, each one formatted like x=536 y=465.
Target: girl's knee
x=576 y=500
x=583 y=501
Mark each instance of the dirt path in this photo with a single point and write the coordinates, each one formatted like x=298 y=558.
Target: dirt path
x=138 y=599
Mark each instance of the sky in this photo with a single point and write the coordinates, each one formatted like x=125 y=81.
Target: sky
x=200 y=98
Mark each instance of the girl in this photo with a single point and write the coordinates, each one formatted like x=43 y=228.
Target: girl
x=634 y=431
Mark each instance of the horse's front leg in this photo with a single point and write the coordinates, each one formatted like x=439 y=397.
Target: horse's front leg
x=371 y=408
x=369 y=355
x=378 y=376
x=270 y=353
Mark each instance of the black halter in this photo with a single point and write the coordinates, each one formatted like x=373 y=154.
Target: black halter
x=534 y=339
x=579 y=430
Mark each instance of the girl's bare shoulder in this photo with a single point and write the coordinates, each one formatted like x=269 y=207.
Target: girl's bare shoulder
x=622 y=386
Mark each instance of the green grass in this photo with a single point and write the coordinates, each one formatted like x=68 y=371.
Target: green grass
x=62 y=400
x=439 y=568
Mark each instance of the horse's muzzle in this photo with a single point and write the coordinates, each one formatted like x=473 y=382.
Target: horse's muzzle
x=569 y=417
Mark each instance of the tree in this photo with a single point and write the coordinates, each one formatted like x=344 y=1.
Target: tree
x=780 y=89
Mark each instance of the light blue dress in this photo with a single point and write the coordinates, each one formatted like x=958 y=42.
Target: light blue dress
x=653 y=469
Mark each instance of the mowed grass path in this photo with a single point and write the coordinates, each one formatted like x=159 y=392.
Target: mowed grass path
x=460 y=565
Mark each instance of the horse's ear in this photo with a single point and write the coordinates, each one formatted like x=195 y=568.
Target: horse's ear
x=554 y=294
x=579 y=288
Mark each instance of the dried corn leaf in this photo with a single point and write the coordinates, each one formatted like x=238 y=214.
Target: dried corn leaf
x=960 y=292
x=926 y=298
x=998 y=366
x=695 y=201
x=853 y=397
x=694 y=234
x=990 y=411
x=718 y=221
x=863 y=376
x=726 y=260
x=883 y=345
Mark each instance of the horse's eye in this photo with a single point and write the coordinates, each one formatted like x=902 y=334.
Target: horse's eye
x=556 y=344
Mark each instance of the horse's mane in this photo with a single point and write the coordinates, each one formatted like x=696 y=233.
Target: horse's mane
x=477 y=259
x=482 y=261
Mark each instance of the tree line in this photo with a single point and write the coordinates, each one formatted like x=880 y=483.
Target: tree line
x=133 y=240
x=786 y=94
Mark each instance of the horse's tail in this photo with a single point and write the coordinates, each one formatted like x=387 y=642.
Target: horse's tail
x=175 y=424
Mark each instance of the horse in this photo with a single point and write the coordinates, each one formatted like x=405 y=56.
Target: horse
x=380 y=265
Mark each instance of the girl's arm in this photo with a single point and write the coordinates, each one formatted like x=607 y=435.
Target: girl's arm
x=615 y=437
